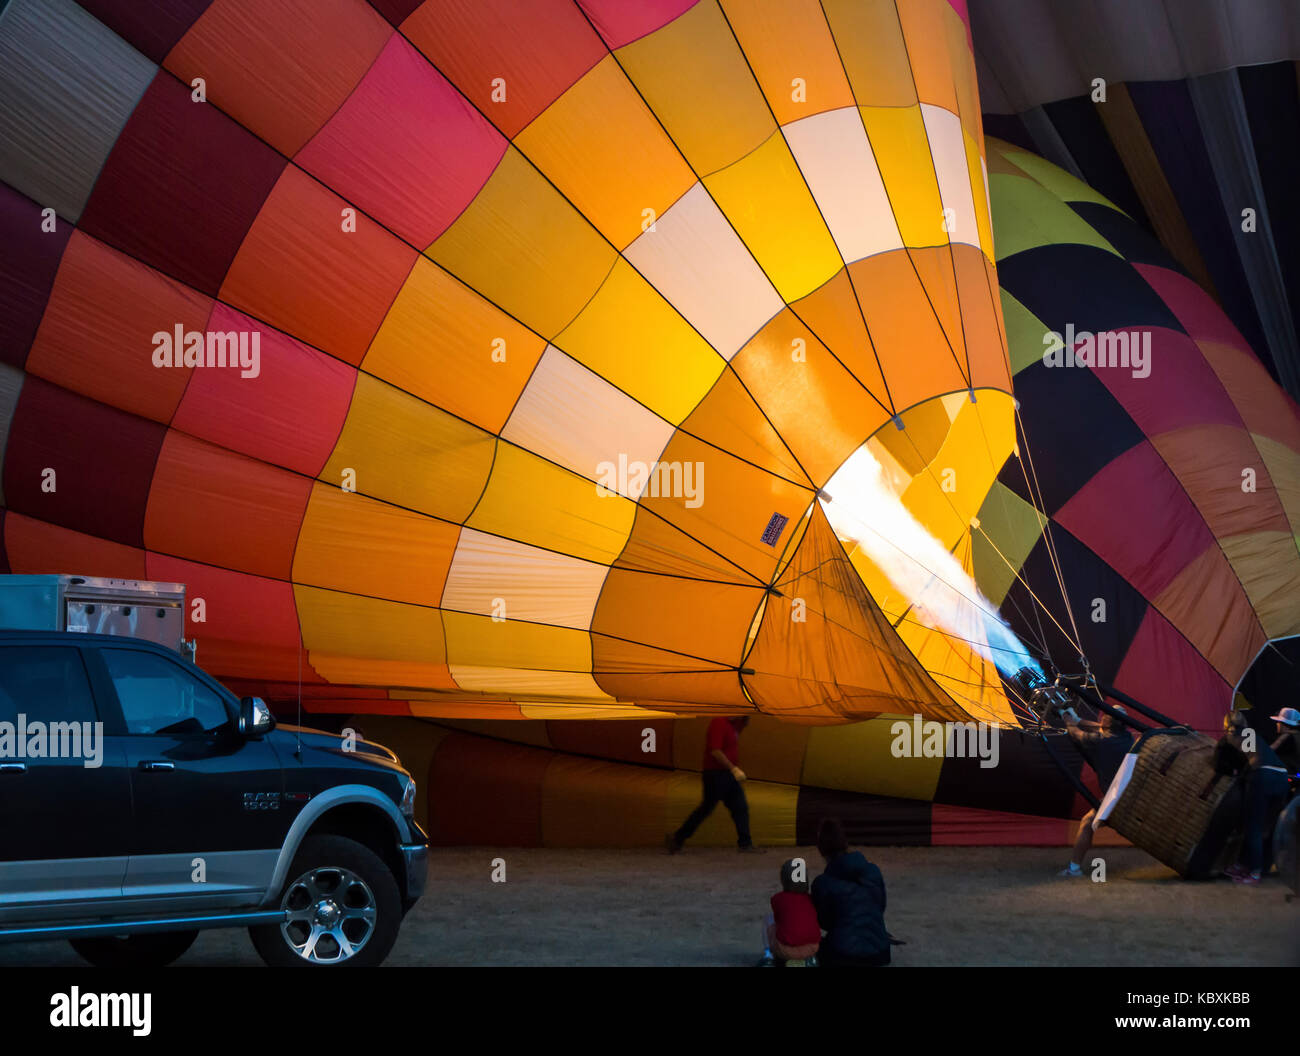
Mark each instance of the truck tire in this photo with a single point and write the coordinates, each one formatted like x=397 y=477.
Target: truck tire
x=344 y=905
x=151 y=950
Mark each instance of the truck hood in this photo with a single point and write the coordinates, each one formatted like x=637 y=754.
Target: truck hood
x=333 y=742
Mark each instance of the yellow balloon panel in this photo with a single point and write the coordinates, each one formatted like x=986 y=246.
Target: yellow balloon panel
x=696 y=80
x=526 y=249
x=506 y=579
x=446 y=344
x=351 y=625
x=351 y=542
x=1256 y=557
x=607 y=154
x=398 y=448
x=898 y=137
x=790 y=49
x=870 y=43
x=952 y=487
x=531 y=682
x=765 y=197
x=857 y=758
x=481 y=641
x=535 y=501
x=660 y=360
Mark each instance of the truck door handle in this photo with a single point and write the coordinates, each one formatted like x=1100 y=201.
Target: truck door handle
x=156 y=764
x=12 y=768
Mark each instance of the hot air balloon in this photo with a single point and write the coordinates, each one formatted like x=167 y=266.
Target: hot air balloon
x=1126 y=490
x=487 y=359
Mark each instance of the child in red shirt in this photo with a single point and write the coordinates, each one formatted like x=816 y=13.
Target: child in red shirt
x=790 y=933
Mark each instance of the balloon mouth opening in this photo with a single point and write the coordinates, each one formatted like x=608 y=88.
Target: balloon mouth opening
x=867 y=511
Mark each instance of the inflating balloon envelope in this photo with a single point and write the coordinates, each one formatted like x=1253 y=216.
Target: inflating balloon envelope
x=1126 y=490
x=544 y=327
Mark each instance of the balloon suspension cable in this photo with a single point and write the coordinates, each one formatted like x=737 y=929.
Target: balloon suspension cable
x=1042 y=640
x=1040 y=507
x=1010 y=686
x=1015 y=572
x=975 y=526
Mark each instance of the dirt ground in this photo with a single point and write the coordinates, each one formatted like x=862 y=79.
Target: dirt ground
x=953 y=905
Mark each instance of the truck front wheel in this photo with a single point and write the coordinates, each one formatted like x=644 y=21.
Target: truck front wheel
x=343 y=908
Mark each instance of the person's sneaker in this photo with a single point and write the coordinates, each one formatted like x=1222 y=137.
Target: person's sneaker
x=671 y=845
x=768 y=961
x=1071 y=870
x=750 y=849
x=1249 y=879
x=1234 y=871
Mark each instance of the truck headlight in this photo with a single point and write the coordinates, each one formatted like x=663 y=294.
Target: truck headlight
x=408 y=799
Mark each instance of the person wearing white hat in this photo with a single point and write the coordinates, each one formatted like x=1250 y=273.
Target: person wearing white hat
x=1287 y=744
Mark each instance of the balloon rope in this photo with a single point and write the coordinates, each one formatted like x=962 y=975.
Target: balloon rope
x=1040 y=507
x=947 y=498
x=1006 y=510
x=1030 y=590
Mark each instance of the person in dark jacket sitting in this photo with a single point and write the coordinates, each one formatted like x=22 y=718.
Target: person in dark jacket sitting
x=850 y=901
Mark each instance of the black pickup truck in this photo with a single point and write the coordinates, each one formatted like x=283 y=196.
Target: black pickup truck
x=141 y=801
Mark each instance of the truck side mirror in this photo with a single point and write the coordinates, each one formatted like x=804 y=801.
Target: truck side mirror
x=255 y=718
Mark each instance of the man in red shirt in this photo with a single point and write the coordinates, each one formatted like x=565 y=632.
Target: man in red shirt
x=722 y=779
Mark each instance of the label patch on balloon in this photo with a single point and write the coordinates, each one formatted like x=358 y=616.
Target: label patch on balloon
x=774 y=528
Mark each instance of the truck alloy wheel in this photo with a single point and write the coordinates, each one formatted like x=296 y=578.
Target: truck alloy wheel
x=331 y=915
x=343 y=908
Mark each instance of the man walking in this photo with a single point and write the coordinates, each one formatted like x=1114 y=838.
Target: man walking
x=723 y=782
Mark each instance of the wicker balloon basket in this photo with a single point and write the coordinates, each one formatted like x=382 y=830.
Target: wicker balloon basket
x=1176 y=808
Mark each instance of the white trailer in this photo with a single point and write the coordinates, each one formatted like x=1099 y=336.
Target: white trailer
x=134 y=608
